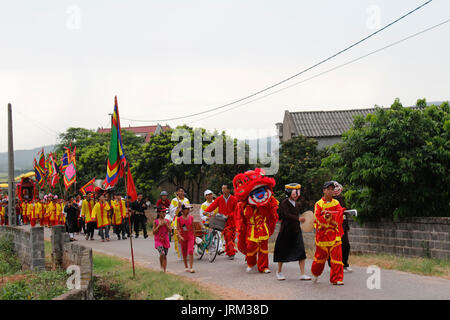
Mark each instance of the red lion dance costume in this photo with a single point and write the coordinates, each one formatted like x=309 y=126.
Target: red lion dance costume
x=256 y=215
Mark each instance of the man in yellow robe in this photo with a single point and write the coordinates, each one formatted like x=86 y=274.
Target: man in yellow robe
x=24 y=207
x=30 y=213
x=39 y=211
x=119 y=217
x=59 y=220
x=52 y=211
x=86 y=213
x=101 y=213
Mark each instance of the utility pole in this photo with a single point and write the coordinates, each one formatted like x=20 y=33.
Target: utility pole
x=11 y=185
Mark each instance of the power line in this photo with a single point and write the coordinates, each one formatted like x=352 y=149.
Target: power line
x=329 y=70
x=43 y=127
x=289 y=78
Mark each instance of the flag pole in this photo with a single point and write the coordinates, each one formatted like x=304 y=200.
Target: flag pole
x=129 y=221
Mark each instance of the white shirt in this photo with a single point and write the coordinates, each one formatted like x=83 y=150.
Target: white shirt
x=292 y=202
x=174 y=206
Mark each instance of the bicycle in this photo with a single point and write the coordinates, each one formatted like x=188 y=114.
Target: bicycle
x=210 y=237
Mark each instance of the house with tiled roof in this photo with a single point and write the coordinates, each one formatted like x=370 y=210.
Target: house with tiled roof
x=326 y=127
x=142 y=131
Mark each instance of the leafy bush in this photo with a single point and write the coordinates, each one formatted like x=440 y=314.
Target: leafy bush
x=9 y=262
x=38 y=286
x=17 y=290
x=395 y=163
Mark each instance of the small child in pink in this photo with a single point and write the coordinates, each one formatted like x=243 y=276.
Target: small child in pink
x=185 y=226
x=161 y=229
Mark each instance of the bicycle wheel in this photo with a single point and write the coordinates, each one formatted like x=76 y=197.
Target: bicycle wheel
x=201 y=248
x=213 y=247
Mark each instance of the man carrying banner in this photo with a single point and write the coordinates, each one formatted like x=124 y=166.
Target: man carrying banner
x=140 y=220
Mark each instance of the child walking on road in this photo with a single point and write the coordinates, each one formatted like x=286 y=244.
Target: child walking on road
x=161 y=229
x=185 y=227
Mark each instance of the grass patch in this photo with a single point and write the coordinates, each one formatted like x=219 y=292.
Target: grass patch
x=36 y=286
x=26 y=285
x=17 y=284
x=114 y=281
x=9 y=262
x=418 y=265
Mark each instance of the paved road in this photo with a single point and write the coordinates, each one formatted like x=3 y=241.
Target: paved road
x=231 y=274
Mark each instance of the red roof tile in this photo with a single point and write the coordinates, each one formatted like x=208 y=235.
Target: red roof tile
x=142 y=130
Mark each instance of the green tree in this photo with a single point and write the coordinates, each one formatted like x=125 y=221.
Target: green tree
x=395 y=163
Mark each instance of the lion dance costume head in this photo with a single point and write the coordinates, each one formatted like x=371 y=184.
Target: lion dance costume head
x=253 y=187
x=256 y=216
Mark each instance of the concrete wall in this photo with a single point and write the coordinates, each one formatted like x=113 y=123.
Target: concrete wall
x=327 y=141
x=29 y=246
x=415 y=237
x=65 y=254
x=421 y=237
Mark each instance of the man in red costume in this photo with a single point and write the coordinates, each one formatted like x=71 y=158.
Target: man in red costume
x=328 y=223
x=227 y=206
x=257 y=216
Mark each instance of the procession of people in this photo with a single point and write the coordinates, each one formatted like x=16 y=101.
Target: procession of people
x=252 y=213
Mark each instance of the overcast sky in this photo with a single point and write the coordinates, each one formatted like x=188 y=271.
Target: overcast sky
x=62 y=62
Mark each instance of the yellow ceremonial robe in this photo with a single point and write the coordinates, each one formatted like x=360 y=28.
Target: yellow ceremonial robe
x=38 y=210
x=120 y=212
x=86 y=210
x=101 y=213
x=51 y=209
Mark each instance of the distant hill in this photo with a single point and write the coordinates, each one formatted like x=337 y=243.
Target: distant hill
x=23 y=159
x=436 y=103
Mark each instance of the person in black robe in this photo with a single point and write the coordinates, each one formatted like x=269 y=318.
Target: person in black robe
x=71 y=210
x=289 y=244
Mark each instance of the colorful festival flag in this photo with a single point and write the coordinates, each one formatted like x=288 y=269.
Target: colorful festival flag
x=65 y=159
x=38 y=173
x=70 y=175
x=73 y=156
x=42 y=161
x=52 y=171
x=116 y=160
x=88 y=187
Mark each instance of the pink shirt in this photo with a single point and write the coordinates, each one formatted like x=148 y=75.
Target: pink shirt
x=188 y=232
x=162 y=235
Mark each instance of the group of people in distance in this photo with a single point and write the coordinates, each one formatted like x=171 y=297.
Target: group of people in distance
x=48 y=211
x=98 y=210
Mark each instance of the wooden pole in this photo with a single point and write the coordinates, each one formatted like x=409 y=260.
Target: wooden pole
x=11 y=183
x=129 y=222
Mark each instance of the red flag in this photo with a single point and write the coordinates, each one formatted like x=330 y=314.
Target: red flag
x=131 y=189
x=88 y=187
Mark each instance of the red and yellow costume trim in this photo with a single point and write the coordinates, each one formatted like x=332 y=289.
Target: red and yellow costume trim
x=101 y=213
x=328 y=239
x=120 y=212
